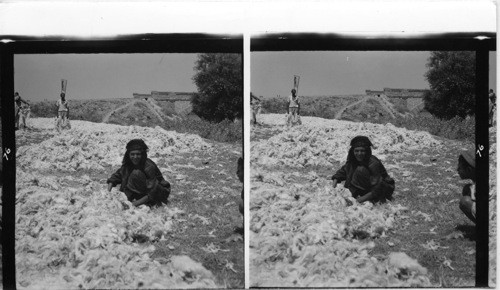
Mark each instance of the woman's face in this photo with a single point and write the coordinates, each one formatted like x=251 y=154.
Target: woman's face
x=360 y=153
x=135 y=156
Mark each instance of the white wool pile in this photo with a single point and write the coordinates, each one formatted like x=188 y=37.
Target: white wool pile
x=304 y=232
x=72 y=233
x=70 y=238
x=90 y=145
x=323 y=142
x=306 y=235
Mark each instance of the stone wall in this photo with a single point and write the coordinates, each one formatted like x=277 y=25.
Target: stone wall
x=402 y=98
x=181 y=101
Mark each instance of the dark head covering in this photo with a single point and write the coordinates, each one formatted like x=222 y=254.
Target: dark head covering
x=137 y=144
x=361 y=141
x=293 y=91
x=470 y=157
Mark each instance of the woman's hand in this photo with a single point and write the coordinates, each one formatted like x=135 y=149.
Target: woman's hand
x=141 y=201
x=335 y=183
x=110 y=186
x=368 y=196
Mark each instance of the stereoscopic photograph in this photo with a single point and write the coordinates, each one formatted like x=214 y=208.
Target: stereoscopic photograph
x=129 y=170
x=363 y=167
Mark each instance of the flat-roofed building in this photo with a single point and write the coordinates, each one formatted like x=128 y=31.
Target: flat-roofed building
x=181 y=100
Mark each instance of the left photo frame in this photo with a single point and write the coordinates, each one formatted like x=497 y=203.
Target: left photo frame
x=123 y=162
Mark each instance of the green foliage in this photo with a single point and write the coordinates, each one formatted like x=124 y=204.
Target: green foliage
x=317 y=106
x=274 y=105
x=43 y=109
x=225 y=131
x=87 y=110
x=451 y=77
x=95 y=110
x=219 y=79
x=455 y=128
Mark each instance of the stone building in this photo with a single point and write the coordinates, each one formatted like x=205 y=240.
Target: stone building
x=407 y=98
x=180 y=102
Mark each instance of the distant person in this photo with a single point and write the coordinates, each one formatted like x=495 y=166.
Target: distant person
x=139 y=177
x=364 y=174
x=493 y=99
x=255 y=105
x=293 y=109
x=62 y=113
x=24 y=116
x=18 y=106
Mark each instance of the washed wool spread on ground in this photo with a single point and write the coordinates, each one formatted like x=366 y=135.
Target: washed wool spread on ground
x=303 y=232
x=72 y=233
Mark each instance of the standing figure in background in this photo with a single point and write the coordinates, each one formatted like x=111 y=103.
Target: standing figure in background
x=493 y=99
x=24 y=116
x=18 y=105
x=62 y=120
x=293 y=109
x=255 y=105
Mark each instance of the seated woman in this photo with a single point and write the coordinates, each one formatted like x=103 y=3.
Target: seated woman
x=364 y=174
x=139 y=177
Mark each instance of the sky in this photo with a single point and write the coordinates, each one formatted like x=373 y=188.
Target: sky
x=341 y=72
x=102 y=76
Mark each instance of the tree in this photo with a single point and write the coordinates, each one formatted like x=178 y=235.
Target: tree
x=219 y=79
x=452 y=78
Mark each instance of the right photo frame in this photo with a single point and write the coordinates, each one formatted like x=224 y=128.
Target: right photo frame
x=372 y=161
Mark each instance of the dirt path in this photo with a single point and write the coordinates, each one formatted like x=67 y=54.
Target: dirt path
x=386 y=105
x=338 y=115
x=419 y=105
x=155 y=109
x=108 y=115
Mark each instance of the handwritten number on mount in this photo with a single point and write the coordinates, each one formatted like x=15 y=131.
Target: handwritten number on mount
x=481 y=147
x=6 y=154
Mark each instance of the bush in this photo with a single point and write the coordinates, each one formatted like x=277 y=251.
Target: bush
x=456 y=128
x=43 y=109
x=326 y=107
x=219 y=79
x=451 y=78
x=225 y=131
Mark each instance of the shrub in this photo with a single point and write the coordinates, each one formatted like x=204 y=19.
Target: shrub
x=219 y=79
x=456 y=128
x=451 y=77
x=225 y=131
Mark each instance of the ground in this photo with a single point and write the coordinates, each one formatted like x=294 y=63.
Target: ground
x=432 y=229
x=204 y=198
